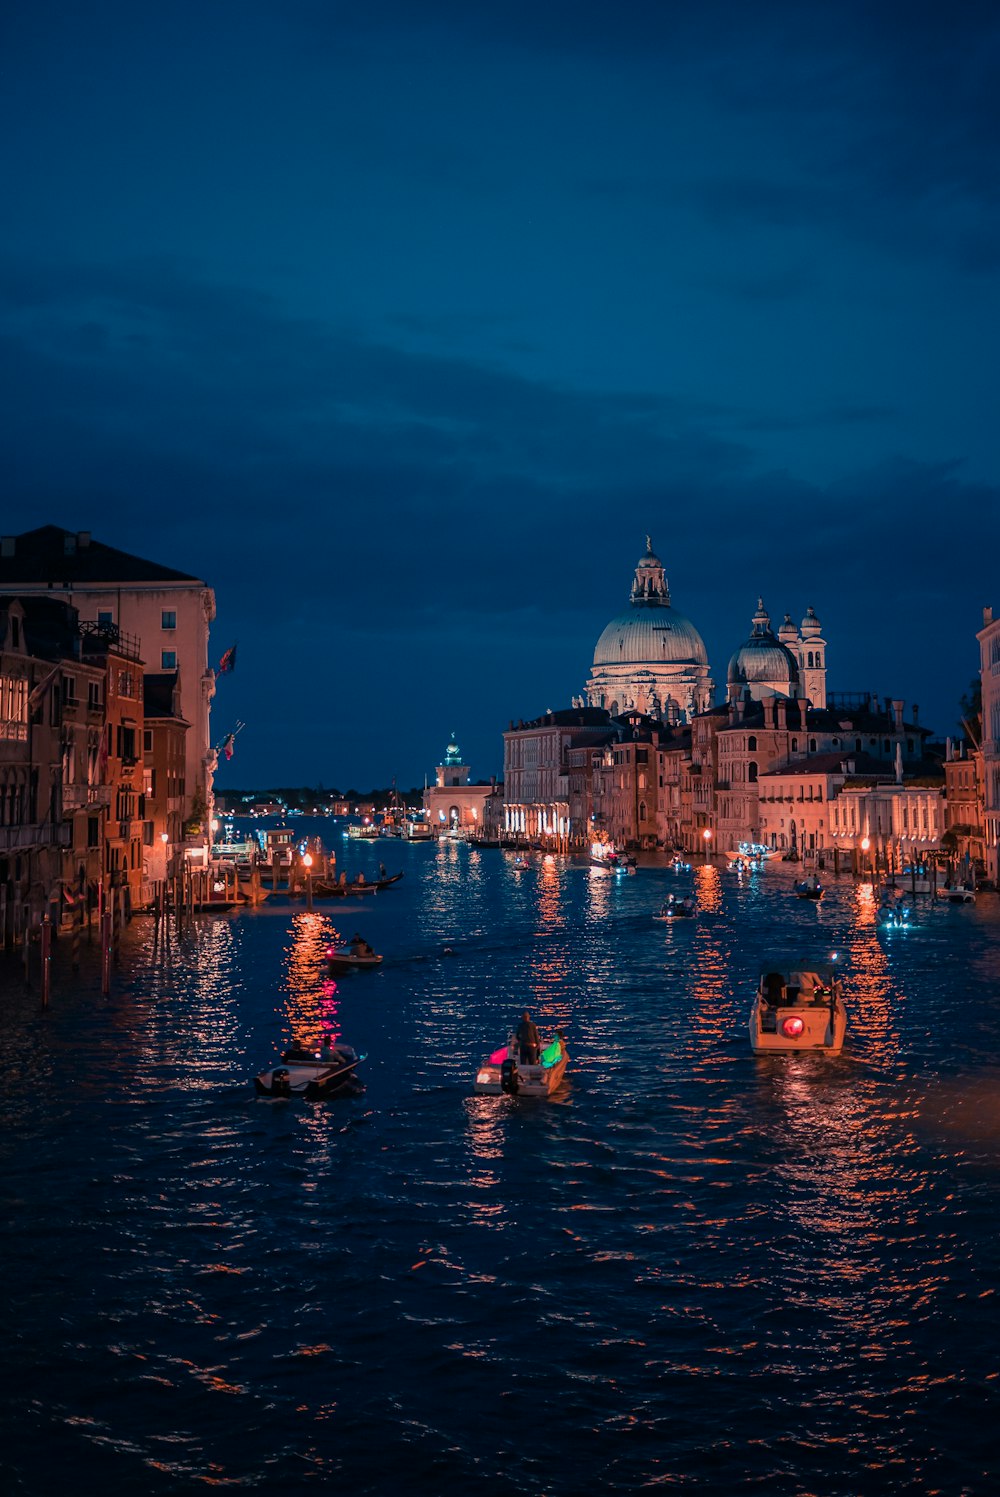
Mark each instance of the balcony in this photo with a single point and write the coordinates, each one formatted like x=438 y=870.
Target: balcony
x=19 y=838
x=83 y=797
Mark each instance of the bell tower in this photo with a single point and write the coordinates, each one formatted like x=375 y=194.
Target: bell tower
x=452 y=771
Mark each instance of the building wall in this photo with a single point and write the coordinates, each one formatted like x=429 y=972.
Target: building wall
x=989 y=646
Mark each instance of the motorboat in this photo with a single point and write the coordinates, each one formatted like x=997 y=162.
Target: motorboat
x=958 y=894
x=809 y=888
x=798 y=1006
x=679 y=866
x=605 y=855
x=328 y=1071
x=357 y=955
x=505 y=1072
x=673 y=908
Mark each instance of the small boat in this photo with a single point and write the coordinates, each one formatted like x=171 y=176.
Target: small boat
x=605 y=855
x=809 y=888
x=356 y=955
x=505 y=1072
x=323 y=889
x=673 y=908
x=314 y=1074
x=957 y=894
x=895 y=909
x=798 y=1007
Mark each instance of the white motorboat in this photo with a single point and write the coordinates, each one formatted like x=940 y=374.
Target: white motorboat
x=958 y=894
x=357 y=954
x=327 y=1071
x=798 y=1006
x=505 y=1072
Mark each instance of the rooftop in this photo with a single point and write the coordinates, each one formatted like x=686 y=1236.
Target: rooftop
x=66 y=558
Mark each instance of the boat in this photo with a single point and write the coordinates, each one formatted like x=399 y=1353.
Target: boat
x=355 y=956
x=605 y=855
x=809 y=888
x=958 y=894
x=798 y=1007
x=673 y=908
x=895 y=910
x=322 y=888
x=505 y=1072
x=328 y=1071
x=917 y=879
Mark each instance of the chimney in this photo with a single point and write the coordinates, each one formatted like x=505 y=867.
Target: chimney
x=803 y=706
x=780 y=713
x=987 y=616
x=7 y=545
x=897 y=712
x=916 y=714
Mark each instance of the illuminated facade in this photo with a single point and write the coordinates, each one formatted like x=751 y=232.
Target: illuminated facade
x=791 y=663
x=650 y=659
x=167 y=612
x=989 y=661
x=452 y=803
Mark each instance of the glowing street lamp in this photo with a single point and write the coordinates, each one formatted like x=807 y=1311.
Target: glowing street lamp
x=707 y=835
x=307 y=863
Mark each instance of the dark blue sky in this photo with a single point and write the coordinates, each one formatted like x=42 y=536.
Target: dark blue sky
x=403 y=324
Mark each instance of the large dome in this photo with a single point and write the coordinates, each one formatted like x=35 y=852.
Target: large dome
x=650 y=658
x=650 y=634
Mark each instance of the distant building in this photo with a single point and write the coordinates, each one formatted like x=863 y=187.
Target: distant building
x=989 y=671
x=163 y=757
x=166 y=612
x=452 y=803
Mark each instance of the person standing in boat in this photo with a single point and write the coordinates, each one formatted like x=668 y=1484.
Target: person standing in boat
x=528 y=1042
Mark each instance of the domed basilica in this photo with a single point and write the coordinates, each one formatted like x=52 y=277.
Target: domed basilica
x=651 y=659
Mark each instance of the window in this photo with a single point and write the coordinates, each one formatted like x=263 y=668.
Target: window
x=812 y=745
x=795 y=745
x=752 y=771
x=168 y=619
x=752 y=744
x=168 y=660
x=105 y=616
x=93 y=694
x=810 y=661
x=147 y=740
x=819 y=660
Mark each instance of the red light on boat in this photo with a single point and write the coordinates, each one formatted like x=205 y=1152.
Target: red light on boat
x=792 y=1027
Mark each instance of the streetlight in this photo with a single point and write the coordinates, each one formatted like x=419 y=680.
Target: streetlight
x=707 y=835
x=307 y=862
x=866 y=843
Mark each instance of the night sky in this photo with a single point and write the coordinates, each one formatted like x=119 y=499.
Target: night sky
x=403 y=324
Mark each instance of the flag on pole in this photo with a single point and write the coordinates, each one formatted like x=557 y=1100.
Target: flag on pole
x=227 y=747
x=43 y=686
x=228 y=661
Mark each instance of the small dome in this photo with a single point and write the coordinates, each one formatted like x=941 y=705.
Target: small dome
x=763 y=659
x=788 y=632
x=811 y=625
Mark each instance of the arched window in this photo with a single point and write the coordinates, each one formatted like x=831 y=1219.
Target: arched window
x=795 y=745
x=752 y=743
x=819 y=660
x=812 y=745
x=857 y=744
x=810 y=660
x=752 y=771
x=642 y=810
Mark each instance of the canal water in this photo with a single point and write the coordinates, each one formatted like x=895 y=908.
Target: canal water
x=694 y=1269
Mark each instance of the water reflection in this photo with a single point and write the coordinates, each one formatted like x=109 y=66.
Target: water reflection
x=311 y=1007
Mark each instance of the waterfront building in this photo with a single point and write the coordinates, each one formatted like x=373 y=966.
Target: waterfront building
x=775 y=732
x=536 y=775
x=453 y=803
x=902 y=824
x=963 y=838
x=989 y=672
x=120 y=759
x=163 y=758
x=167 y=612
x=650 y=659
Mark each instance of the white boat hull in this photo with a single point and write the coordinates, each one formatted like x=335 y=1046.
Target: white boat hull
x=821 y=1029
